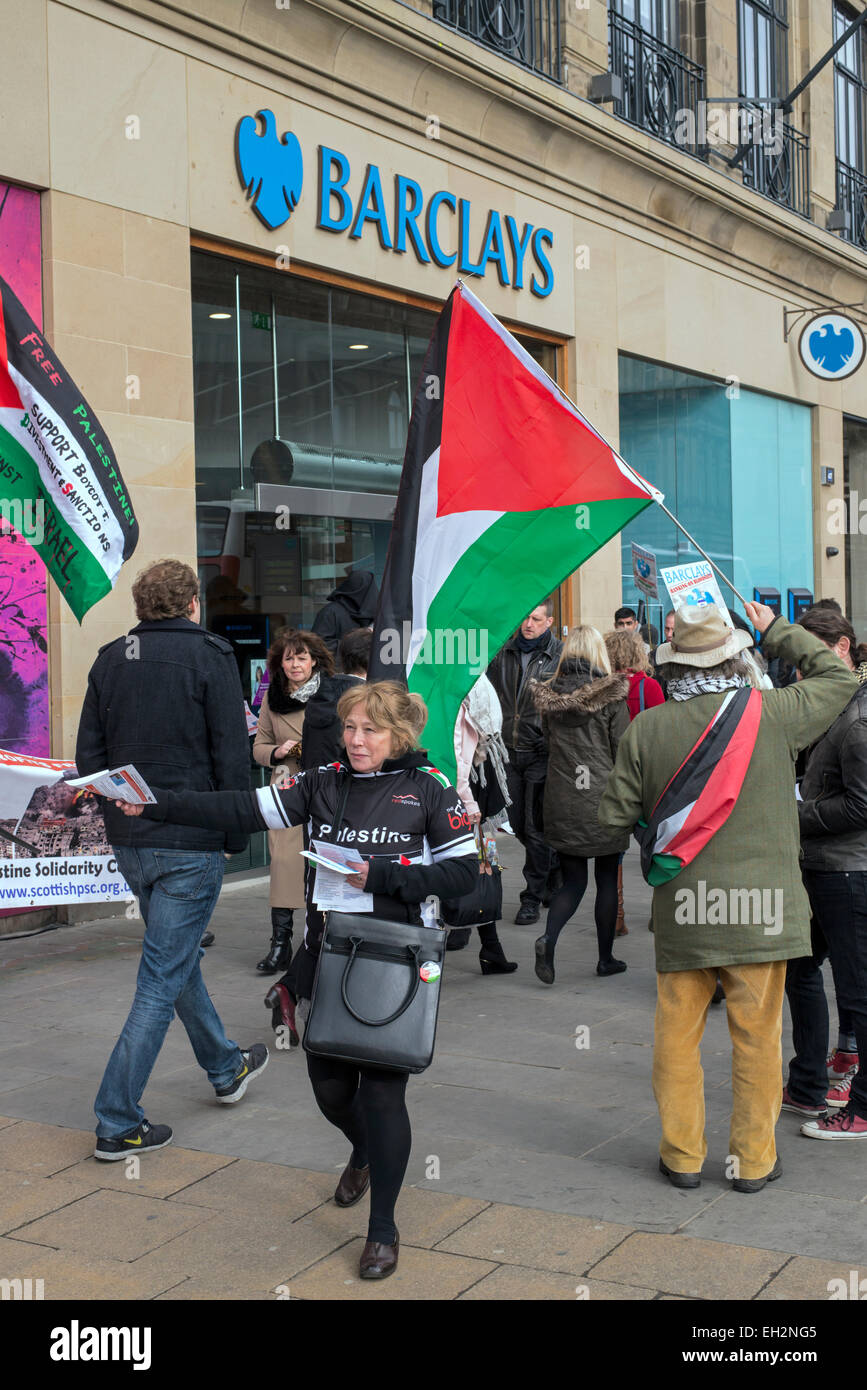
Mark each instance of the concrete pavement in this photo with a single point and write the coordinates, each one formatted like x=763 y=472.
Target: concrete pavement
x=533 y=1171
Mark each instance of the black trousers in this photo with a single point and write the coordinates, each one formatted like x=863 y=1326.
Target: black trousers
x=839 y=931
x=525 y=818
x=368 y=1104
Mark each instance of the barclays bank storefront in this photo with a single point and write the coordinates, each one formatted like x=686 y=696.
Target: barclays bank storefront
x=240 y=238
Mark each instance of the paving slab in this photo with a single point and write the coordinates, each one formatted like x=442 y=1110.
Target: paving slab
x=795 y=1222
x=240 y=1253
x=540 y=1240
x=694 y=1268
x=24 y=1198
x=241 y=1185
x=39 y=1149
x=421 y=1275
x=112 y=1225
x=423 y=1218
x=512 y=1283
x=174 y=1170
x=812 y=1279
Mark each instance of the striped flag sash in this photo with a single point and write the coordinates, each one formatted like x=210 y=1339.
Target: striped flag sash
x=701 y=795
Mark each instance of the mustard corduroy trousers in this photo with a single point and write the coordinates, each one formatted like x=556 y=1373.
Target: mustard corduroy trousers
x=754 y=1005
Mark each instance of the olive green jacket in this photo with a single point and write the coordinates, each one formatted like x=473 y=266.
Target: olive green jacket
x=741 y=900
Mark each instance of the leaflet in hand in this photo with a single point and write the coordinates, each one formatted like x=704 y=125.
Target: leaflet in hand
x=331 y=892
x=334 y=857
x=120 y=784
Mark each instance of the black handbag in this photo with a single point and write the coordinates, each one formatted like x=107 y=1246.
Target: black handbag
x=376 y=994
x=377 y=989
x=484 y=903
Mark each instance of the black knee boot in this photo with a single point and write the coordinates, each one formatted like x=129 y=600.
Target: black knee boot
x=280 y=954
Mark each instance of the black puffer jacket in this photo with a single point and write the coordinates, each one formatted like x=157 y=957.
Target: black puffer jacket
x=833 y=813
x=322 y=742
x=584 y=714
x=522 y=725
x=172 y=704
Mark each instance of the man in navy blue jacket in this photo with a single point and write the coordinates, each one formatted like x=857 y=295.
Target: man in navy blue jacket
x=167 y=697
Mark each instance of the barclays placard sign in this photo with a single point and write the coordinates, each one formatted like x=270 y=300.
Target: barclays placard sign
x=439 y=228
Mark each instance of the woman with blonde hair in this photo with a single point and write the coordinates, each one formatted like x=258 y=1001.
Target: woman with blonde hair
x=584 y=715
x=385 y=798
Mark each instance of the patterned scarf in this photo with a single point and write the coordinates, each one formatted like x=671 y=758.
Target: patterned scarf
x=688 y=686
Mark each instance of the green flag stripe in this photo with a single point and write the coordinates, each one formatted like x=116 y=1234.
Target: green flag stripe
x=74 y=569
x=521 y=557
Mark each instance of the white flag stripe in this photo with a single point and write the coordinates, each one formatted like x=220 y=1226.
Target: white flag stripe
x=110 y=560
x=668 y=828
x=440 y=543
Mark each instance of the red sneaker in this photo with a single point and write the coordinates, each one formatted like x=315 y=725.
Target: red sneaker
x=798 y=1108
x=838 y=1095
x=840 y=1062
x=837 y=1124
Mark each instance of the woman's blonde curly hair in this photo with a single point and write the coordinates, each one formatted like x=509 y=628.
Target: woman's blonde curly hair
x=388 y=706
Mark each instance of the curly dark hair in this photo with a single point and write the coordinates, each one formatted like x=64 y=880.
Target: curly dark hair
x=297 y=639
x=164 y=590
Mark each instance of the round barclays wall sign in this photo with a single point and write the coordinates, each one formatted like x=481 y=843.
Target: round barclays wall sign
x=832 y=346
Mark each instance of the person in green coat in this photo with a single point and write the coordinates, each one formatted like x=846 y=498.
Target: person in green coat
x=739 y=907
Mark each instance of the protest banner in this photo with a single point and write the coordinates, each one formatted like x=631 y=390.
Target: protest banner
x=644 y=571
x=694 y=585
x=53 y=847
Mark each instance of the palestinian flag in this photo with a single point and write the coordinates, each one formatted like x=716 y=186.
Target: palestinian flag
x=701 y=795
x=60 y=485
x=506 y=489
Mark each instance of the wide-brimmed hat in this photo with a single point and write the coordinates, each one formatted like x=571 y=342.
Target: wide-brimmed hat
x=702 y=638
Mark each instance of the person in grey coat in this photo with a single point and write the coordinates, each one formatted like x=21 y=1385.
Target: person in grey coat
x=584 y=715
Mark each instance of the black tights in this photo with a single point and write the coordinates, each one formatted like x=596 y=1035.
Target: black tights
x=369 y=1105
x=565 y=902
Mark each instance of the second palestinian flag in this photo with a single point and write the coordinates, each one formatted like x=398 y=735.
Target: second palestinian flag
x=506 y=489
x=59 y=477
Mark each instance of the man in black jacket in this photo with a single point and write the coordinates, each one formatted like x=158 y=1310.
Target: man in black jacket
x=532 y=654
x=167 y=697
x=352 y=604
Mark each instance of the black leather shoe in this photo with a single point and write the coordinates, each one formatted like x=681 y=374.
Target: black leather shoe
x=353 y=1184
x=207 y=939
x=679 y=1179
x=378 y=1261
x=280 y=951
x=527 y=914
x=544 y=965
x=756 y=1184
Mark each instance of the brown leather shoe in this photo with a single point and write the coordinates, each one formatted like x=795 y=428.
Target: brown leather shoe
x=353 y=1184
x=378 y=1261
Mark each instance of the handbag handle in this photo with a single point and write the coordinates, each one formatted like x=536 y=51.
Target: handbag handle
x=414 y=951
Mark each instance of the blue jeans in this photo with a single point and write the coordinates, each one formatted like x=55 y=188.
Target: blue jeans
x=177 y=892
x=839 y=930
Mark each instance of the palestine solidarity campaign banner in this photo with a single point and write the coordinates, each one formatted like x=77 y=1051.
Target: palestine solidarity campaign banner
x=53 y=847
x=506 y=489
x=59 y=478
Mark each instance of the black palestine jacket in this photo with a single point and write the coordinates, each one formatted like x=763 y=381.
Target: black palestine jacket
x=406 y=819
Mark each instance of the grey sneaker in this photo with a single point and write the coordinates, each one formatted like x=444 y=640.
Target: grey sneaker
x=255 y=1061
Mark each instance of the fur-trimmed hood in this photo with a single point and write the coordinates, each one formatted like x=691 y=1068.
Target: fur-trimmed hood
x=579 y=689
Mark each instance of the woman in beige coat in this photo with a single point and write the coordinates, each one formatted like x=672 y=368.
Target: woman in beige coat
x=296 y=662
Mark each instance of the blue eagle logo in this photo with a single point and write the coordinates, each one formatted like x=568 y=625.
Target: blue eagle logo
x=271 y=169
x=832 y=348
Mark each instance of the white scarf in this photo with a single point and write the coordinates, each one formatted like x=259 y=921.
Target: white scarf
x=485 y=714
x=309 y=688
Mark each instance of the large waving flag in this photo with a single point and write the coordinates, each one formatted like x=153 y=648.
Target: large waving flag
x=506 y=489
x=59 y=480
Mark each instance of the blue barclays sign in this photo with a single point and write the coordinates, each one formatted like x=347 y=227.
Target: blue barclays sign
x=271 y=171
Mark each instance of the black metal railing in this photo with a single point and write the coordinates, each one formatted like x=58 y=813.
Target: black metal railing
x=661 y=87
x=527 y=31
x=776 y=158
x=852 y=198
